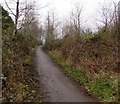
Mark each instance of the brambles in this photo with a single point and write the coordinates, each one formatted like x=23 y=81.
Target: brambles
x=92 y=61
x=17 y=59
x=102 y=84
x=17 y=52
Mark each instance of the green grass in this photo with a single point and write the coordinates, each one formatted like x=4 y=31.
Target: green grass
x=103 y=85
x=79 y=77
x=105 y=88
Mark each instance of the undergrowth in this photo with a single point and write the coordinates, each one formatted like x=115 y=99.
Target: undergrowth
x=17 y=60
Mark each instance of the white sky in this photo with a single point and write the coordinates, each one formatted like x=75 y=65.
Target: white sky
x=63 y=9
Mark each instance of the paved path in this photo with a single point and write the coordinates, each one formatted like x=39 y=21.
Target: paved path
x=60 y=87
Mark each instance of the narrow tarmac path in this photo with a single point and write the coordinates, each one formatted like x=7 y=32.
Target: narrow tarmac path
x=60 y=88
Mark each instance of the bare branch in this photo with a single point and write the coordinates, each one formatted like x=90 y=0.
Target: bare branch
x=9 y=8
x=44 y=6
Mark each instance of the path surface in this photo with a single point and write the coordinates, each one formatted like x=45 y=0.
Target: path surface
x=60 y=87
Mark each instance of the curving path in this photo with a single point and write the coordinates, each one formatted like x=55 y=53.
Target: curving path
x=60 y=88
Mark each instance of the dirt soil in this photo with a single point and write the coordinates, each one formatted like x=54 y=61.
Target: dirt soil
x=55 y=86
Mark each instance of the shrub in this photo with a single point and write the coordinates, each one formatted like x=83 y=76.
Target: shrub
x=54 y=44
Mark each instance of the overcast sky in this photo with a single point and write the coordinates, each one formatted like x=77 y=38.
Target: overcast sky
x=63 y=9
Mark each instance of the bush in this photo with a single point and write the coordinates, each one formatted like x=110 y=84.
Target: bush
x=17 y=56
x=54 y=44
x=93 y=54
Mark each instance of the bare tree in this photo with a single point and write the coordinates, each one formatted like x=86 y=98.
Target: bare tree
x=51 y=26
x=107 y=15
x=30 y=23
x=115 y=20
x=76 y=17
x=16 y=15
x=68 y=29
x=119 y=20
x=21 y=13
x=119 y=15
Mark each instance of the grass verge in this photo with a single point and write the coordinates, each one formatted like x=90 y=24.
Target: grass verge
x=103 y=85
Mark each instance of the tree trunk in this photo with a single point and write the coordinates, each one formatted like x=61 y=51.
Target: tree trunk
x=16 y=17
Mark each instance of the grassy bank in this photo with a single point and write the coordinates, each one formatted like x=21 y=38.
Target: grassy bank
x=18 y=85
x=103 y=85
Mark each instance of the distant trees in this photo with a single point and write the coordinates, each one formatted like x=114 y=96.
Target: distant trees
x=109 y=17
x=73 y=26
x=106 y=15
x=119 y=19
x=68 y=29
x=30 y=24
x=50 y=28
x=76 y=18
